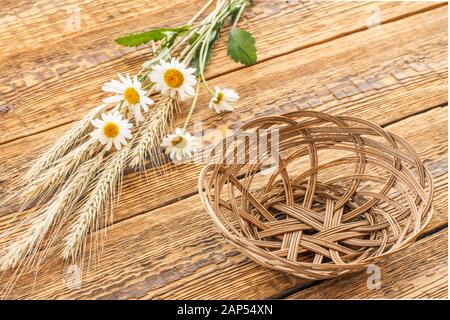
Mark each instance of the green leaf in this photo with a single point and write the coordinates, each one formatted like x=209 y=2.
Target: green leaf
x=194 y=38
x=162 y=55
x=136 y=39
x=241 y=46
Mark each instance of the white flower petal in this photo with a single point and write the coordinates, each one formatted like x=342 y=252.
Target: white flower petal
x=230 y=95
x=102 y=139
x=113 y=86
x=227 y=106
x=190 y=91
x=191 y=70
x=97 y=123
x=108 y=145
x=113 y=99
x=147 y=100
x=117 y=144
x=137 y=114
x=122 y=78
x=122 y=140
x=136 y=83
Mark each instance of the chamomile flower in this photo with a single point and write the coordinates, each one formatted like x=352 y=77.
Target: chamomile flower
x=111 y=129
x=174 y=77
x=223 y=99
x=130 y=93
x=179 y=145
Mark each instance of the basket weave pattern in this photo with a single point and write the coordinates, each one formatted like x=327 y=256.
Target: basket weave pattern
x=345 y=194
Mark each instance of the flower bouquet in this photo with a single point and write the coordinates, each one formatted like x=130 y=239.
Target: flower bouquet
x=72 y=189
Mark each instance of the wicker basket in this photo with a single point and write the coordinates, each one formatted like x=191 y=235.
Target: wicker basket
x=323 y=197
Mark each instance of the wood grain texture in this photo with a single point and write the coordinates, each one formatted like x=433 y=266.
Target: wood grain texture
x=315 y=55
x=175 y=252
x=421 y=271
x=52 y=72
x=367 y=74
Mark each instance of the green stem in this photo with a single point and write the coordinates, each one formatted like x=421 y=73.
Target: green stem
x=148 y=86
x=203 y=54
x=194 y=102
x=200 y=12
x=202 y=58
x=241 y=10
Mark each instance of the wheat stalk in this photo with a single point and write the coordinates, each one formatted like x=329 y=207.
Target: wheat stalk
x=53 y=177
x=62 y=204
x=98 y=201
x=153 y=131
x=66 y=143
x=86 y=182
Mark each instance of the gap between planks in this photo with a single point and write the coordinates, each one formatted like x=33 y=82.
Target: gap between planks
x=344 y=34
x=401 y=283
x=298 y=289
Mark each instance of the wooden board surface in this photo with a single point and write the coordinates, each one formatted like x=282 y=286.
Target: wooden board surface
x=419 y=272
x=312 y=55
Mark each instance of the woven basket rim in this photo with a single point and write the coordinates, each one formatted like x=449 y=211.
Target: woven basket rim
x=298 y=268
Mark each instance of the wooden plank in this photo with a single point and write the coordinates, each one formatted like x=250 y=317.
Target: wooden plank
x=402 y=70
x=175 y=252
x=52 y=73
x=419 y=272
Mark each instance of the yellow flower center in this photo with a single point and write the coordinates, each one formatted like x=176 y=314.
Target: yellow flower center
x=131 y=95
x=111 y=129
x=173 y=78
x=219 y=98
x=179 y=142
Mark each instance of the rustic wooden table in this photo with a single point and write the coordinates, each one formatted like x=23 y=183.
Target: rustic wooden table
x=382 y=61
